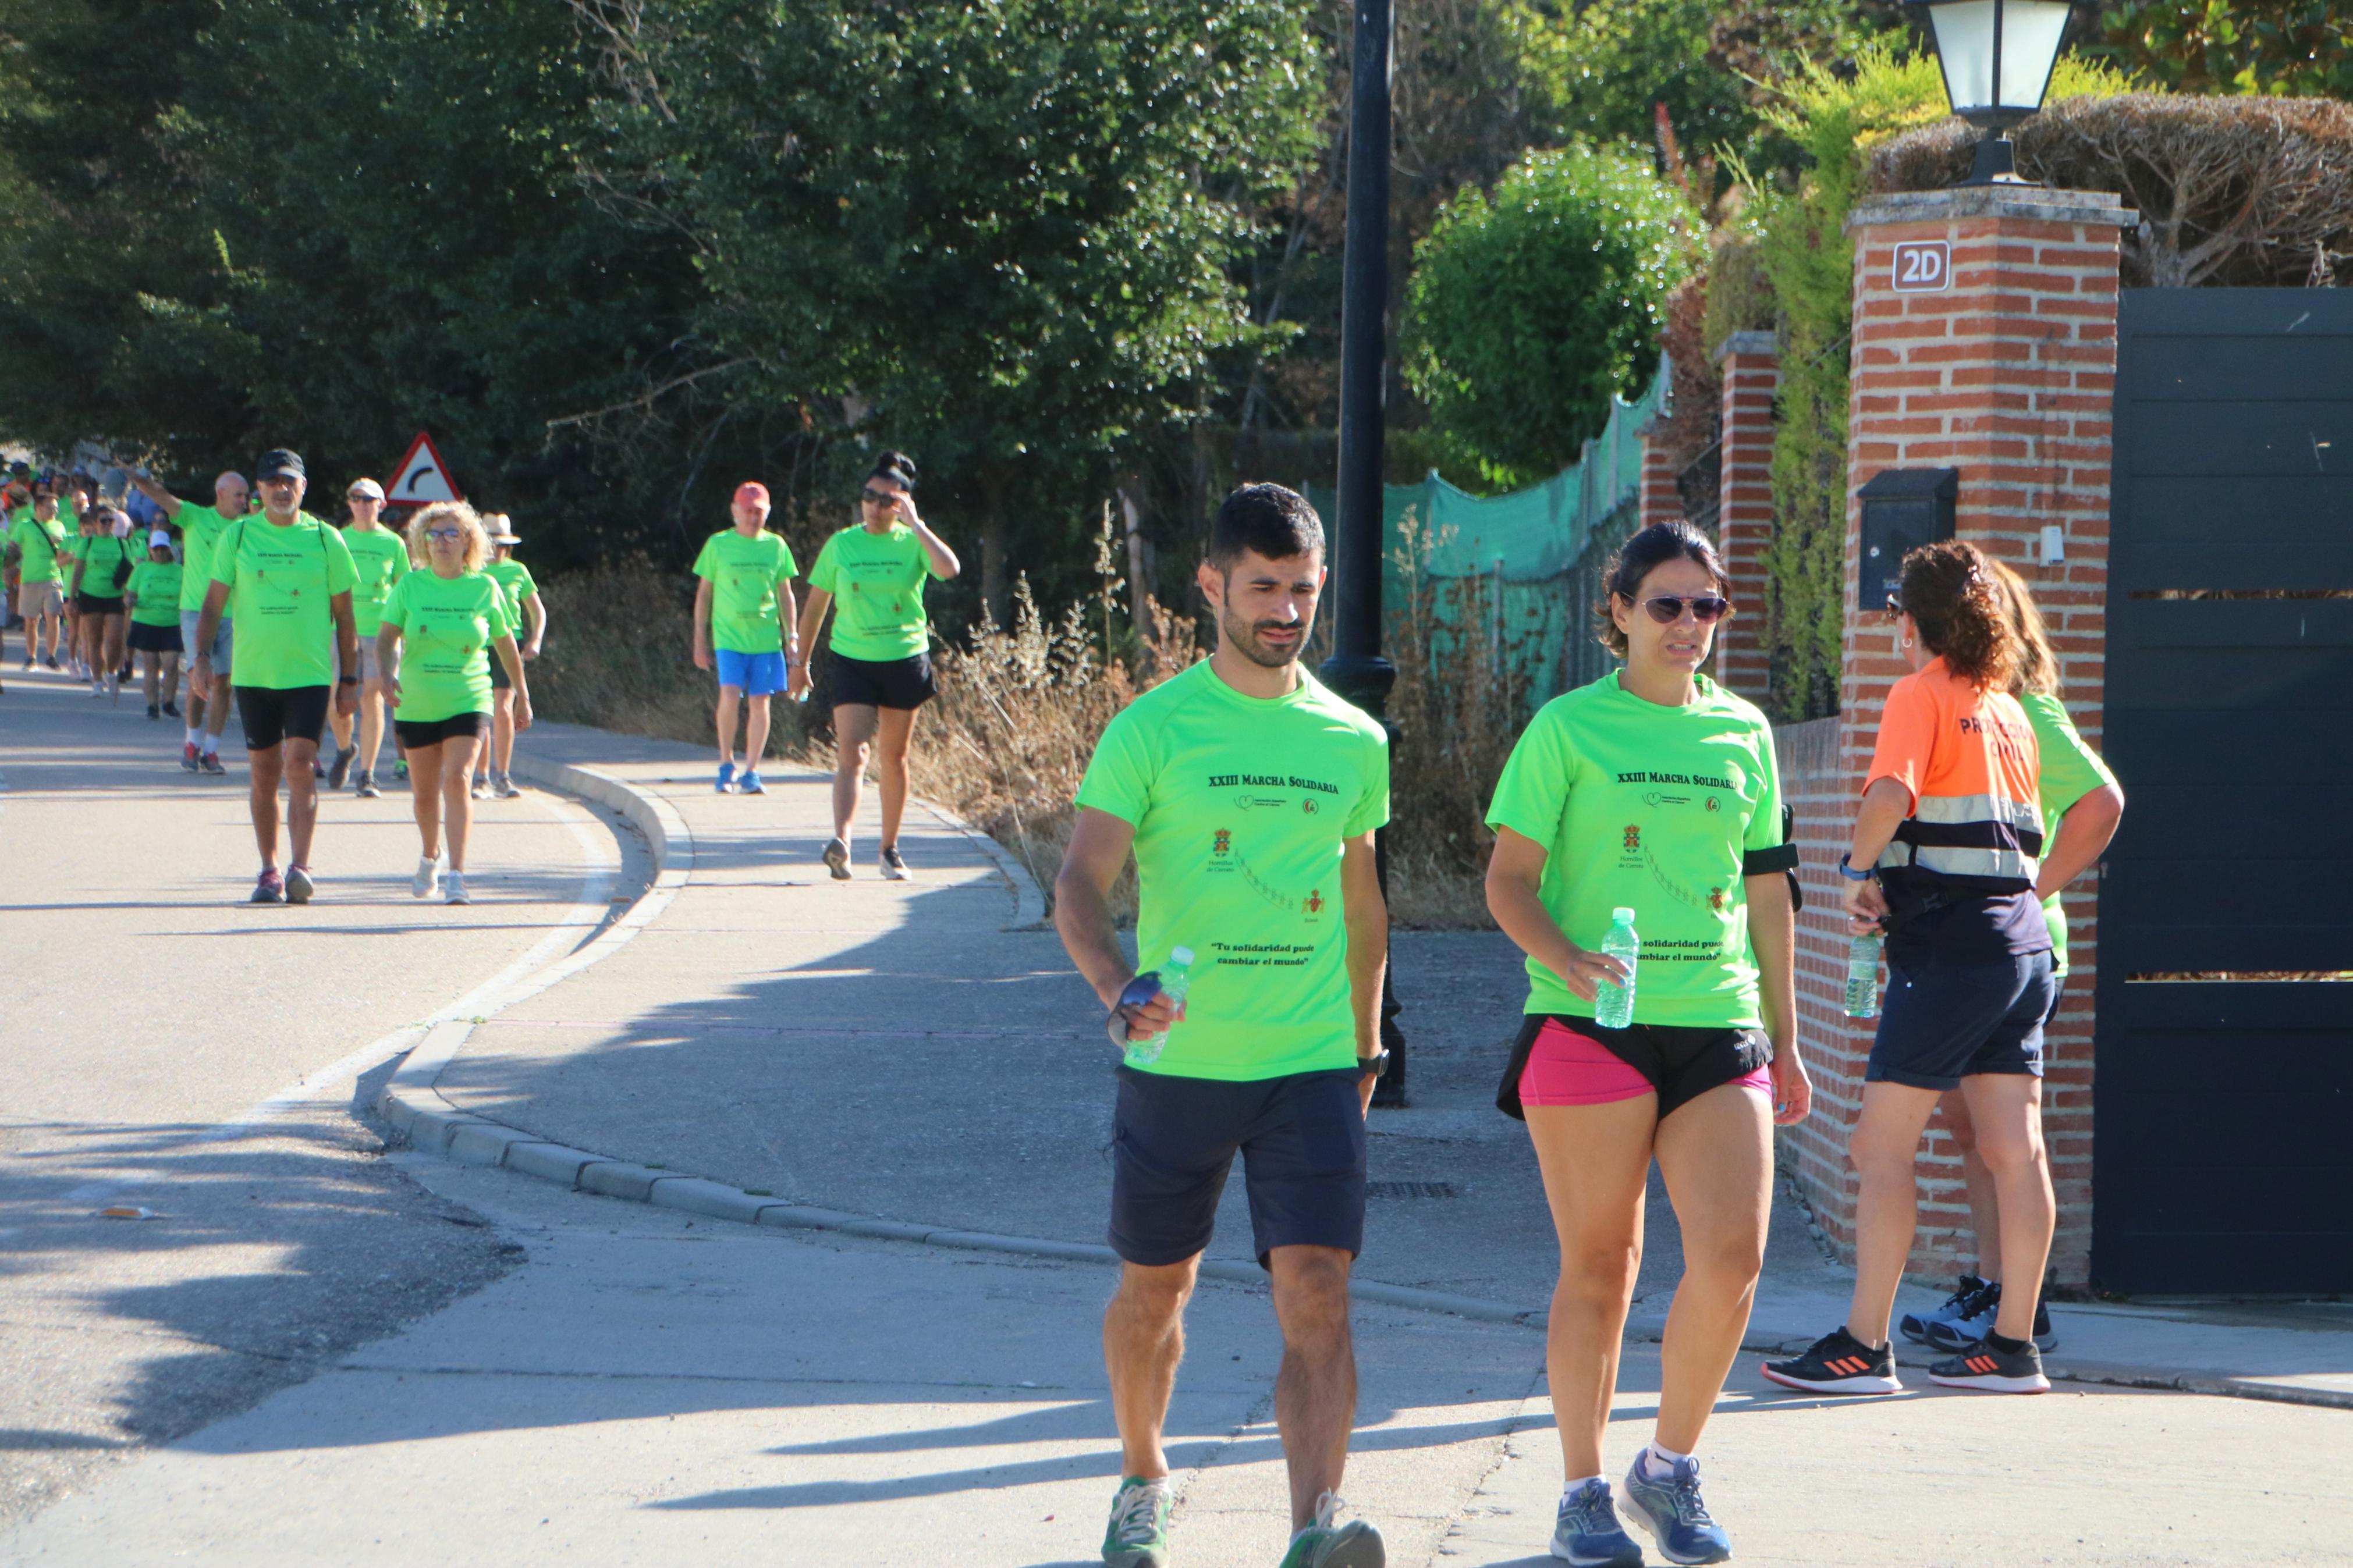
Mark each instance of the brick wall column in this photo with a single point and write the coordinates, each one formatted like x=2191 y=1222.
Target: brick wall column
x=1661 y=501
x=1751 y=369
x=2007 y=373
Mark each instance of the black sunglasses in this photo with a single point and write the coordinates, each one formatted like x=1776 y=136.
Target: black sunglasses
x=877 y=498
x=1667 y=610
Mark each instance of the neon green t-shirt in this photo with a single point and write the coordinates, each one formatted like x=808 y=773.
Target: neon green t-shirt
x=156 y=585
x=200 y=530
x=1240 y=805
x=280 y=581
x=1660 y=810
x=447 y=627
x=380 y=556
x=745 y=574
x=40 y=544
x=877 y=584
x=514 y=580
x=2069 y=769
x=99 y=559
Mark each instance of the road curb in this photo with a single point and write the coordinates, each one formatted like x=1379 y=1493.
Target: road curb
x=415 y=1107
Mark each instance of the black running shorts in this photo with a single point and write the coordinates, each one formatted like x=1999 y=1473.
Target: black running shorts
x=433 y=732
x=1302 y=1139
x=273 y=714
x=904 y=683
x=97 y=605
x=146 y=638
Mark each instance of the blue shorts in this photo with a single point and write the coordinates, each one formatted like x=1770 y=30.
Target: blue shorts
x=1302 y=1139
x=1941 y=1023
x=753 y=674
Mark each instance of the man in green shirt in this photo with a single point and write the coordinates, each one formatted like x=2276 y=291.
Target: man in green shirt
x=881 y=667
x=288 y=578
x=1248 y=795
x=380 y=557
x=200 y=530
x=35 y=542
x=742 y=608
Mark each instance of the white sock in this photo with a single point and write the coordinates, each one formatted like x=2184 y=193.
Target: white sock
x=1574 y=1487
x=193 y=733
x=1659 y=1463
x=209 y=745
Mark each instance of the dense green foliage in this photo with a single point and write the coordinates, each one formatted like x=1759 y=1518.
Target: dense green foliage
x=2300 y=48
x=1529 y=309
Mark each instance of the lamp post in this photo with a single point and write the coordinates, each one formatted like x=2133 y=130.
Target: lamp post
x=1996 y=57
x=1356 y=670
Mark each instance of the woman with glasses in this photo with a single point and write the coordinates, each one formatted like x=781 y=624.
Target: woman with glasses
x=102 y=569
x=875 y=572
x=441 y=622
x=1652 y=790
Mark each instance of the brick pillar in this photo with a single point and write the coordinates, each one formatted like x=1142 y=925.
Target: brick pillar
x=1661 y=501
x=1751 y=371
x=2007 y=373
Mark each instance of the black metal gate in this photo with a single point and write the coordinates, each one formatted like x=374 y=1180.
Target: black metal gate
x=2223 y=1100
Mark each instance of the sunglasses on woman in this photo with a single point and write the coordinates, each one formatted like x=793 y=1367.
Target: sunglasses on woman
x=444 y=534
x=876 y=498
x=1667 y=610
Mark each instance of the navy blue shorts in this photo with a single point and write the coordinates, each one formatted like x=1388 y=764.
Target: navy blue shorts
x=1302 y=1139
x=1941 y=1023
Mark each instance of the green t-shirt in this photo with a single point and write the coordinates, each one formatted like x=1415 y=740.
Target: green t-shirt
x=1657 y=810
x=2070 y=770
x=99 y=559
x=745 y=574
x=156 y=585
x=380 y=556
x=280 y=581
x=514 y=580
x=1239 y=806
x=200 y=530
x=877 y=584
x=40 y=544
x=447 y=627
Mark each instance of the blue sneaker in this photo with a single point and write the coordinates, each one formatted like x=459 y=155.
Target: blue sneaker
x=1966 y=1329
x=750 y=783
x=1671 y=1509
x=726 y=785
x=1914 y=1326
x=1588 y=1534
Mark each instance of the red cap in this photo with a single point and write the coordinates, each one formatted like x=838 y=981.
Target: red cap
x=752 y=493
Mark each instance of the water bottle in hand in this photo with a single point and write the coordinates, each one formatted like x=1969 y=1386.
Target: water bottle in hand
x=1862 y=975
x=1613 y=1005
x=1176 y=979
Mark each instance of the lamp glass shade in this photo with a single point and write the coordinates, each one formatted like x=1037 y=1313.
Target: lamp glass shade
x=2026 y=34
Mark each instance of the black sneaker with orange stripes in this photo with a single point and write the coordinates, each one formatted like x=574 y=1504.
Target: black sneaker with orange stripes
x=1994 y=1368
x=1838 y=1362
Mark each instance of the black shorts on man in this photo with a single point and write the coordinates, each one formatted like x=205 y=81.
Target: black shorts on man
x=903 y=683
x=1302 y=1141
x=1942 y=1021
x=272 y=714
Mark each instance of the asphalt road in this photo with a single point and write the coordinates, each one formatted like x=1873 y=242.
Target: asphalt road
x=165 y=1046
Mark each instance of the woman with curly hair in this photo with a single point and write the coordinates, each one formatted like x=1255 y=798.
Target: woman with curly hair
x=1945 y=858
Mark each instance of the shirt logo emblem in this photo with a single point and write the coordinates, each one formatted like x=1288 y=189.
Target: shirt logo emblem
x=1633 y=837
x=1307 y=806
x=1224 y=842
x=1716 y=900
x=1714 y=804
x=1315 y=900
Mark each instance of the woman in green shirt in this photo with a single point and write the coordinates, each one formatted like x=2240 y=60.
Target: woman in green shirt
x=153 y=596
x=102 y=569
x=441 y=622
x=1652 y=790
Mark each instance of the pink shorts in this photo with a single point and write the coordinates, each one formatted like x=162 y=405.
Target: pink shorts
x=1565 y=1067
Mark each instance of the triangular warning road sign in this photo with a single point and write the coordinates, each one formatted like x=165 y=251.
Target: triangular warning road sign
x=422 y=477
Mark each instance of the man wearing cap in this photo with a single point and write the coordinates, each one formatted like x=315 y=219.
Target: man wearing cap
x=525 y=609
x=380 y=556
x=200 y=530
x=743 y=615
x=287 y=579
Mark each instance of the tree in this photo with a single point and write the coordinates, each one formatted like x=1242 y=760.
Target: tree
x=2297 y=47
x=1528 y=311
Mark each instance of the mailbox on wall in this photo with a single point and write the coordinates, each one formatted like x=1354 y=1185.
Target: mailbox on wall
x=1902 y=509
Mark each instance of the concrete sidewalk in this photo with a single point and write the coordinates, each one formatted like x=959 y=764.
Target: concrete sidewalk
x=923 y=1053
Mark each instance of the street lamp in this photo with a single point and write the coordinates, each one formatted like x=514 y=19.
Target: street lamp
x=1997 y=56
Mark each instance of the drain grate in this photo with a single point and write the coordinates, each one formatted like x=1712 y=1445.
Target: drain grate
x=1409 y=1189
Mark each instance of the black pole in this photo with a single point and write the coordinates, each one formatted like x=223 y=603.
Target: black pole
x=1356 y=670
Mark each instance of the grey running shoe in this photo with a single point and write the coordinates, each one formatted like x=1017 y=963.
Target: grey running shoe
x=476 y=790
x=268 y=887
x=299 y=887
x=1914 y=1326
x=1586 y=1531
x=836 y=860
x=1977 y=1319
x=1671 y=1509
x=504 y=788
x=1329 y=1544
x=365 y=787
x=453 y=888
x=894 y=869
x=1137 y=1536
x=210 y=762
x=341 y=768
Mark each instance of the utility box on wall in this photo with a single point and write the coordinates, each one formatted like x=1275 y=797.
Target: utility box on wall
x=1902 y=509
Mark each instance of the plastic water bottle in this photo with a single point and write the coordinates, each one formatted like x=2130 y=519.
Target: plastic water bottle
x=1613 y=1005
x=1176 y=979
x=1862 y=975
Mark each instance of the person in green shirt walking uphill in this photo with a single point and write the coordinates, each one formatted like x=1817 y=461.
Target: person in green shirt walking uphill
x=1248 y=795
x=2082 y=805
x=1945 y=859
x=153 y=596
x=36 y=540
x=874 y=572
x=201 y=528
x=287 y=579
x=525 y=608
x=439 y=628
x=1639 y=863
x=100 y=574
x=380 y=556
x=745 y=625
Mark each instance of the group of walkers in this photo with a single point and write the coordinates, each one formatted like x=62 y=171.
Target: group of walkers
x=1248 y=795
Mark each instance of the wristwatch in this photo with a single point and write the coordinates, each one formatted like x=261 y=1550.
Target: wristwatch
x=347 y=680
x=1373 y=1067
x=1849 y=873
